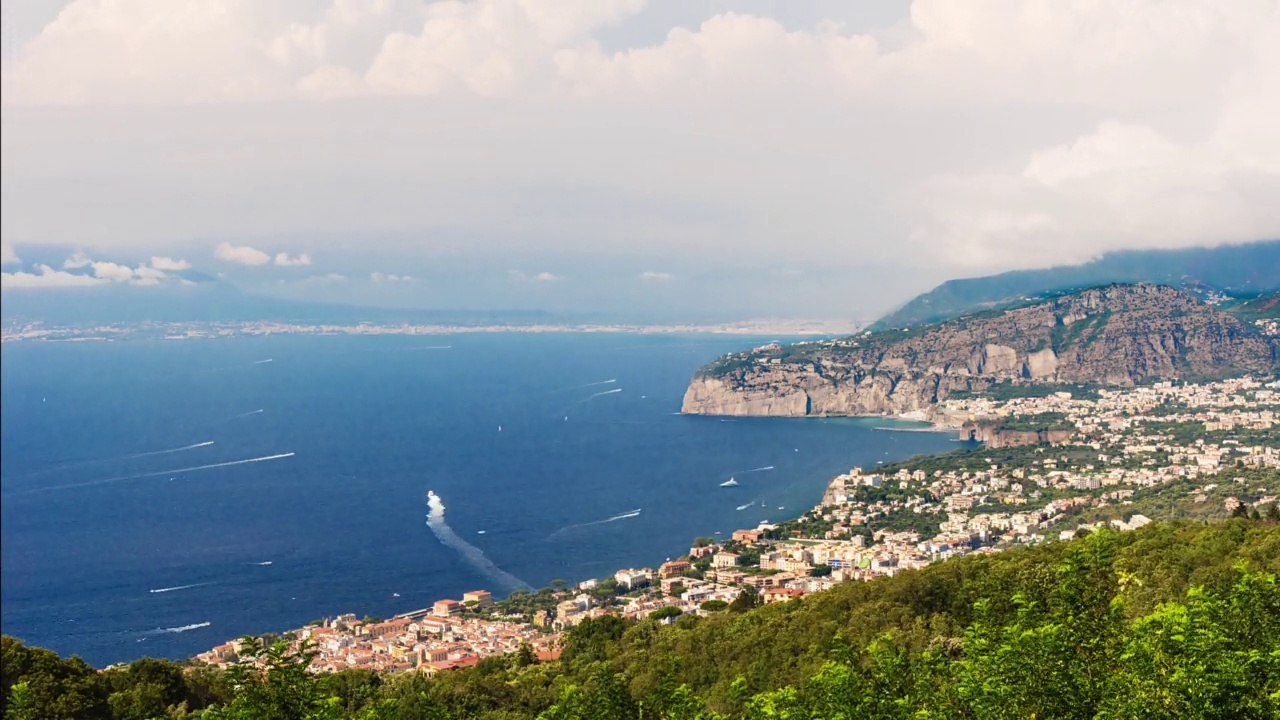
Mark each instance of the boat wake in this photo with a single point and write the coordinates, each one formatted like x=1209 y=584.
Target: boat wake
x=158 y=473
x=176 y=588
x=753 y=470
x=473 y=555
x=245 y=414
x=744 y=507
x=587 y=385
x=120 y=458
x=614 y=518
x=179 y=629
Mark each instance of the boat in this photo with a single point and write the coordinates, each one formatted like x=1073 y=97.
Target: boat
x=729 y=483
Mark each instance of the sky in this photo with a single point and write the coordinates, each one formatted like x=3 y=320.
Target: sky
x=760 y=158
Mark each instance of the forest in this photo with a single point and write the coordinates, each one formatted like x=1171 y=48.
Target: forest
x=1173 y=620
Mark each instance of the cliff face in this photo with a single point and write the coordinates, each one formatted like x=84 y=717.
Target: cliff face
x=1117 y=335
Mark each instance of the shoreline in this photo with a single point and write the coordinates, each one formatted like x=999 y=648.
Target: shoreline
x=37 y=331
x=827 y=484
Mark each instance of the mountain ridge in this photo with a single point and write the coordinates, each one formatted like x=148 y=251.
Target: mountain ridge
x=1119 y=334
x=1238 y=271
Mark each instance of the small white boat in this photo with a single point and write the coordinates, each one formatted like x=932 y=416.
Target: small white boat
x=729 y=483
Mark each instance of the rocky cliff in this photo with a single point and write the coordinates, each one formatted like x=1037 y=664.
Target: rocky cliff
x=1115 y=335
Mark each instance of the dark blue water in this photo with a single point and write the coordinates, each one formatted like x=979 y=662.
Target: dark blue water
x=374 y=423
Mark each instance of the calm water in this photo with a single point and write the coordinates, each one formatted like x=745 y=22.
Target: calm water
x=104 y=503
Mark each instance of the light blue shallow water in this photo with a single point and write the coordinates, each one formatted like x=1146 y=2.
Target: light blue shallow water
x=101 y=507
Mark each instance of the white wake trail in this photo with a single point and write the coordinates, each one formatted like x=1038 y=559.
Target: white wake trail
x=179 y=629
x=753 y=470
x=262 y=362
x=176 y=588
x=159 y=473
x=246 y=414
x=473 y=555
x=120 y=458
x=613 y=518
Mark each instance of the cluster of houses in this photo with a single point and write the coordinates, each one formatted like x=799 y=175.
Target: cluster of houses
x=1121 y=446
x=442 y=637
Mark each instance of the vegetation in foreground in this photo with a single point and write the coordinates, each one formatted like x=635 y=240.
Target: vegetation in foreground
x=1175 y=620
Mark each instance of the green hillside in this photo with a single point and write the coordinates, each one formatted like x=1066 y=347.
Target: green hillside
x=1174 y=620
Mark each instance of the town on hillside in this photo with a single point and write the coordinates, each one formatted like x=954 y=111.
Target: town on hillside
x=1064 y=463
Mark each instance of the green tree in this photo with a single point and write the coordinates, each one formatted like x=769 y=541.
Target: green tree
x=53 y=688
x=282 y=688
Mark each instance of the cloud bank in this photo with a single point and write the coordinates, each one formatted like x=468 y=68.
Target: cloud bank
x=240 y=254
x=968 y=136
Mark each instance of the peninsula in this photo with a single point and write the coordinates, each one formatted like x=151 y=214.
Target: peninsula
x=1113 y=336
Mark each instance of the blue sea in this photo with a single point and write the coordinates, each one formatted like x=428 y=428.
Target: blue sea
x=162 y=497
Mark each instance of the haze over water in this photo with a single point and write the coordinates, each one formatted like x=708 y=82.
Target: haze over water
x=163 y=497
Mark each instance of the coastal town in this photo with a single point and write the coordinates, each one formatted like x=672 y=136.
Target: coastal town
x=1053 y=465
x=39 y=331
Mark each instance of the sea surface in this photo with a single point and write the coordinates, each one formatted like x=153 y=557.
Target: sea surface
x=162 y=497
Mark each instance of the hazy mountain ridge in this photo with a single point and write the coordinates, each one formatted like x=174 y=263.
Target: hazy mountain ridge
x=1238 y=271
x=1113 y=335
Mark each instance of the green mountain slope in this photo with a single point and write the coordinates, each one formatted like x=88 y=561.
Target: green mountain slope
x=1174 y=620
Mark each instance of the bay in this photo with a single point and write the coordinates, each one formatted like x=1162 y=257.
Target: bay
x=130 y=525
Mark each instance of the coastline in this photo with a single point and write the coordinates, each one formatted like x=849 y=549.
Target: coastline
x=195 y=330
x=877 y=522
x=546 y=643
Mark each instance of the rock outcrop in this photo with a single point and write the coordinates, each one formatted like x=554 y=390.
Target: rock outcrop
x=1117 y=335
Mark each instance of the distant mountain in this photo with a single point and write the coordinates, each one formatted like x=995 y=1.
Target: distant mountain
x=1233 y=270
x=1114 y=335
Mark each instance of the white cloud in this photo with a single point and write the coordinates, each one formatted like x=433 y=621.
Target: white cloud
x=240 y=254
x=650 y=276
x=386 y=277
x=283 y=260
x=46 y=277
x=76 y=261
x=169 y=264
x=7 y=255
x=543 y=277
x=983 y=134
x=327 y=278
x=112 y=271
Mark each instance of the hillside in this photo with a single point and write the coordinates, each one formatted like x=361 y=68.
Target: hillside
x=1118 y=335
x=1171 y=620
x=1234 y=270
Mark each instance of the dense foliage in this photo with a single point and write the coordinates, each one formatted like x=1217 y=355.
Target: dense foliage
x=1175 y=620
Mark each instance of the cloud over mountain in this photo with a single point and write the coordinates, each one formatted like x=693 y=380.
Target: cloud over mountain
x=931 y=137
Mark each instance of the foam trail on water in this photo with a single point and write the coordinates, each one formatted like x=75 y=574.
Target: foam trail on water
x=245 y=414
x=158 y=473
x=179 y=587
x=179 y=629
x=744 y=507
x=473 y=555
x=590 y=384
x=261 y=362
x=759 y=469
x=121 y=458
x=614 y=518
x=431 y=347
